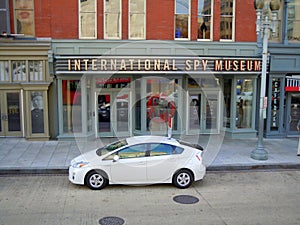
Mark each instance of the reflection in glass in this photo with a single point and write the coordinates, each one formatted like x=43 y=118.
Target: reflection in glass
x=104 y=113
x=122 y=112
x=295 y=112
x=182 y=14
x=204 y=19
x=87 y=19
x=19 y=70
x=293 y=20
x=195 y=111
x=4 y=75
x=13 y=111
x=71 y=92
x=226 y=20
x=161 y=103
x=112 y=18
x=137 y=19
x=37 y=112
x=35 y=70
x=244 y=98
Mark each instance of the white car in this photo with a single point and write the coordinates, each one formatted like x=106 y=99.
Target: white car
x=139 y=160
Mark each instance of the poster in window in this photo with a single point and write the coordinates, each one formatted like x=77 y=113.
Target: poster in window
x=37 y=112
x=24 y=17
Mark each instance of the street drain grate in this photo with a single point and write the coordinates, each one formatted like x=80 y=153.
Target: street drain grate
x=111 y=220
x=185 y=199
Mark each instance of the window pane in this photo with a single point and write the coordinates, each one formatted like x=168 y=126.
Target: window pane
x=182 y=12
x=87 y=18
x=182 y=23
x=112 y=19
x=294 y=20
x=133 y=152
x=87 y=24
x=204 y=19
x=227 y=102
x=161 y=149
x=13 y=111
x=244 y=92
x=137 y=6
x=137 y=25
x=4 y=76
x=35 y=70
x=19 y=70
x=182 y=6
x=162 y=101
x=226 y=20
x=112 y=25
x=226 y=28
x=37 y=112
x=24 y=17
x=137 y=19
x=71 y=106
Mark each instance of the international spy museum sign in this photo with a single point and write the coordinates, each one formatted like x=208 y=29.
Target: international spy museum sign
x=140 y=64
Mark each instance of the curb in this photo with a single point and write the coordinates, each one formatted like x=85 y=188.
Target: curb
x=225 y=168
x=221 y=168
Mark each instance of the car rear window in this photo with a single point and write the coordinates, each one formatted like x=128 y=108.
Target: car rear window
x=197 y=146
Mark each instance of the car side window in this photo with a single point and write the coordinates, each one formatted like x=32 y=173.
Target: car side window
x=164 y=149
x=160 y=149
x=134 y=151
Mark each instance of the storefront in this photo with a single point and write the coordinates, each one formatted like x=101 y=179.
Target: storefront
x=120 y=95
x=283 y=92
x=24 y=86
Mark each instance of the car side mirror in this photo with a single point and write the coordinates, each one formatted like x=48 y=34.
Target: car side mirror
x=116 y=158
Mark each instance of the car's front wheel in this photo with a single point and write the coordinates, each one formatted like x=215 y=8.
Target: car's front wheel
x=183 y=179
x=96 y=180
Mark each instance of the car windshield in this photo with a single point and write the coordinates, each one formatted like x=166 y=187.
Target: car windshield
x=111 y=147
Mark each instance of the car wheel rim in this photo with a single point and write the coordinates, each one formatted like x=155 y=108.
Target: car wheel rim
x=96 y=180
x=183 y=179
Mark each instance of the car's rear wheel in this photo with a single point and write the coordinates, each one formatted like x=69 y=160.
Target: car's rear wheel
x=183 y=179
x=96 y=180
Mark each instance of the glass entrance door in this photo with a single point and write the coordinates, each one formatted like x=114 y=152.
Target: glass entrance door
x=113 y=114
x=293 y=112
x=10 y=114
x=203 y=113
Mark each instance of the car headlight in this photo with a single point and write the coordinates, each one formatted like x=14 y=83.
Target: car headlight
x=80 y=164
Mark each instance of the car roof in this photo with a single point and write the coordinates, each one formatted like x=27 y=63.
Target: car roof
x=150 y=138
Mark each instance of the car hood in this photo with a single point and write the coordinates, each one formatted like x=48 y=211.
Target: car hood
x=85 y=157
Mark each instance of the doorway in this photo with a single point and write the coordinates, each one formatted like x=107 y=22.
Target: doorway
x=10 y=109
x=293 y=113
x=114 y=115
x=203 y=112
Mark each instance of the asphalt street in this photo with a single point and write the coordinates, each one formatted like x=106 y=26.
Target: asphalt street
x=256 y=197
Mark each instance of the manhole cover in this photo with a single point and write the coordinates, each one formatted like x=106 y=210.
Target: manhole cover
x=111 y=220
x=186 y=199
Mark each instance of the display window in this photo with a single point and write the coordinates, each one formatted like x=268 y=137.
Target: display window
x=71 y=96
x=37 y=112
x=244 y=100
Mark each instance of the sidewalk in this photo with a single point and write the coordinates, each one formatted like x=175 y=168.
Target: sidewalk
x=18 y=155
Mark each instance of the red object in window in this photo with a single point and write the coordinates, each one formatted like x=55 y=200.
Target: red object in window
x=292 y=89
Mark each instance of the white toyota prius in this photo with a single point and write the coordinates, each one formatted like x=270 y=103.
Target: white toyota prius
x=139 y=160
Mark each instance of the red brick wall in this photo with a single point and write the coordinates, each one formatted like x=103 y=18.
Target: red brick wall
x=160 y=20
x=245 y=18
x=59 y=19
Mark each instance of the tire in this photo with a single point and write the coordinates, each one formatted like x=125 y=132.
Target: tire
x=183 y=179
x=96 y=180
